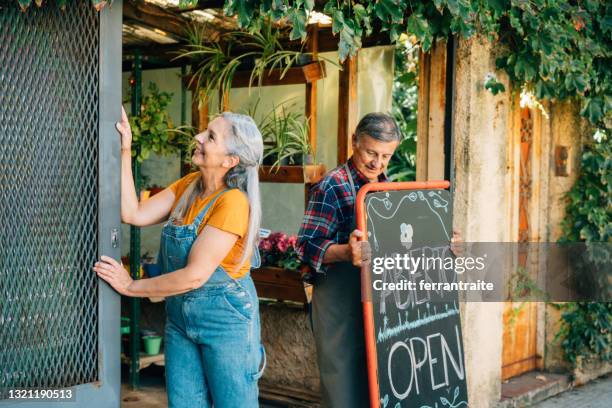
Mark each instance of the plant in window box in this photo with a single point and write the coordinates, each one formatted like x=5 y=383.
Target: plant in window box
x=285 y=134
x=279 y=250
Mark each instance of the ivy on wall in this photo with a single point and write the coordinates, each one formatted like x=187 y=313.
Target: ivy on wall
x=557 y=49
x=586 y=329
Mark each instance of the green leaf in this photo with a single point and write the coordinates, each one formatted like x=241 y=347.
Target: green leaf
x=309 y=4
x=417 y=25
x=298 y=21
x=593 y=109
x=337 y=21
x=498 y=6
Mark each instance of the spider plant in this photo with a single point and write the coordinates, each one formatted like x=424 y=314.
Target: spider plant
x=285 y=134
x=270 y=52
x=215 y=63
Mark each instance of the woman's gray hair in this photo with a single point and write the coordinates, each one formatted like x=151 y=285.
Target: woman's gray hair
x=379 y=126
x=246 y=143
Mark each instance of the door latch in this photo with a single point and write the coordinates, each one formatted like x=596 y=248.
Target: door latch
x=115 y=237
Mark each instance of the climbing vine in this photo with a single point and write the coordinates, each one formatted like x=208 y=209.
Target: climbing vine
x=557 y=49
x=586 y=328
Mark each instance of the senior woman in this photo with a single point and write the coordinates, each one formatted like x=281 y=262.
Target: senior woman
x=213 y=350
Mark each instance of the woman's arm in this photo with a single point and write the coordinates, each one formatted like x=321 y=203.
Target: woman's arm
x=151 y=211
x=207 y=252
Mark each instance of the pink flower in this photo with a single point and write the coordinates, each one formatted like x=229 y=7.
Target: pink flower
x=292 y=241
x=282 y=245
x=265 y=245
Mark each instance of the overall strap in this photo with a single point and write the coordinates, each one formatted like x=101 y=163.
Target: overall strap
x=200 y=217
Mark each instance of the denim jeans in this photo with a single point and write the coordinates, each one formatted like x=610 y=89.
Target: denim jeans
x=213 y=347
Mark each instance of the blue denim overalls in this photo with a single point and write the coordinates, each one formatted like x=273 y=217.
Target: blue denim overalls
x=213 y=348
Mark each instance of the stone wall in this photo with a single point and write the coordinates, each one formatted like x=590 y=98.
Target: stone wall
x=287 y=337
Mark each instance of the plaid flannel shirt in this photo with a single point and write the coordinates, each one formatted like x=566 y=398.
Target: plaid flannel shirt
x=328 y=218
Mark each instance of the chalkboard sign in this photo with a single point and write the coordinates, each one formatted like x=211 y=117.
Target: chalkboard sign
x=417 y=351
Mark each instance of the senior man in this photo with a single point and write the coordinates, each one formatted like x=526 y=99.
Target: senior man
x=329 y=241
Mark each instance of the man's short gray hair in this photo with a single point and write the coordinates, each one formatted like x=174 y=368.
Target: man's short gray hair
x=379 y=126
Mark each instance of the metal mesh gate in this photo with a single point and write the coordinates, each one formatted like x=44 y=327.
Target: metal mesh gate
x=48 y=195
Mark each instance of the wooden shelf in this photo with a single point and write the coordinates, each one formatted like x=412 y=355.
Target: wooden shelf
x=280 y=284
x=310 y=173
x=297 y=75
x=304 y=74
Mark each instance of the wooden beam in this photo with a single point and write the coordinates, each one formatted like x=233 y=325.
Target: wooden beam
x=156 y=17
x=431 y=114
x=347 y=107
x=311 y=90
x=309 y=173
x=423 y=116
x=437 y=112
x=297 y=75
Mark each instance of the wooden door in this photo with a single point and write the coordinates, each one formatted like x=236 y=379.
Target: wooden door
x=520 y=318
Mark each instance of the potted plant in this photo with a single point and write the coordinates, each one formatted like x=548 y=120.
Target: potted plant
x=285 y=134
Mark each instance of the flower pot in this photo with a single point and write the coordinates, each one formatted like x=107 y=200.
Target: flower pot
x=125 y=325
x=152 y=344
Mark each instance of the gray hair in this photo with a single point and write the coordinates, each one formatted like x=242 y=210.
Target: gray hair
x=246 y=143
x=379 y=126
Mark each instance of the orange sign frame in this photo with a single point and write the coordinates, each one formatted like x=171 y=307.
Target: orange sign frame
x=368 y=310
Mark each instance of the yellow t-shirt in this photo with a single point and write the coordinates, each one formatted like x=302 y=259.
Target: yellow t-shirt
x=229 y=213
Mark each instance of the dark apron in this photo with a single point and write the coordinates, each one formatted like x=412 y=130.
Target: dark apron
x=337 y=323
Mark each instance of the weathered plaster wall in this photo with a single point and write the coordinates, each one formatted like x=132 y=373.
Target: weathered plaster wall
x=566 y=128
x=480 y=204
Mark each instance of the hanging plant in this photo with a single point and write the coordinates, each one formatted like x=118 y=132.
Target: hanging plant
x=214 y=63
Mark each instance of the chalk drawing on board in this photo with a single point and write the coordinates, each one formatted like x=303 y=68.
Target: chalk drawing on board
x=432 y=199
x=389 y=332
x=406 y=233
x=449 y=404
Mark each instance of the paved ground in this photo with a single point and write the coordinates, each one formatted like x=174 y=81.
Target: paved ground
x=152 y=394
x=152 y=391
x=595 y=394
